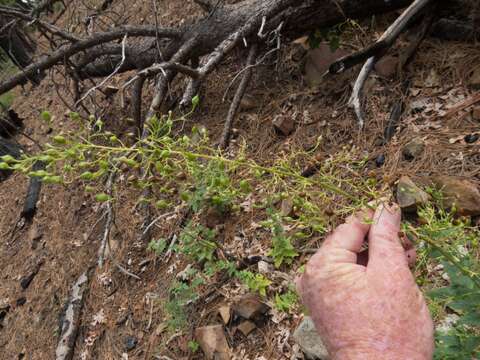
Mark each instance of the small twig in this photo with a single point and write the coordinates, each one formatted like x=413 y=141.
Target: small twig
x=126 y=272
x=108 y=223
x=169 y=252
x=355 y=101
x=149 y=226
x=242 y=87
x=117 y=69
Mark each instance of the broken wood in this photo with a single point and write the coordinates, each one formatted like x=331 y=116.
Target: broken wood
x=242 y=87
x=33 y=193
x=71 y=318
x=389 y=36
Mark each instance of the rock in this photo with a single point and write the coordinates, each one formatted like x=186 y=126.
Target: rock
x=248 y=103
x=419 y=105
x=21 y=301
x=413 y=149
x=433 y=79
x=224 y=312
x=476 y=113
x=287 y=207
x=34 y=235
x=213 y=342
x=265 y=267
x=409 y=195
x=474 y=80
x=471 y=138
x=380 y=160
x=246 y=327
x=130 y=343
x=250 y=307
x=307 y=337
x=284 y=124
x=387 y=66
x=459 y=193
x=110 y=90
x=447 y=323
x=318 y=61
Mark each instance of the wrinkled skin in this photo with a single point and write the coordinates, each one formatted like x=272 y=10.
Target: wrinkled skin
x=367 y=312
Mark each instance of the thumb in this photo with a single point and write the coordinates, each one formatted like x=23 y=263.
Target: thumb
x=384 y=241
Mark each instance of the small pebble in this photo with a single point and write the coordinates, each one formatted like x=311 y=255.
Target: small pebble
x=21 y=301
x=380 y=160
x=130 y=343
x=471 y=138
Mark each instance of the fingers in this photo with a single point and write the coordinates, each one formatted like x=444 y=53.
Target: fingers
x=351 y=235
x=384 y=242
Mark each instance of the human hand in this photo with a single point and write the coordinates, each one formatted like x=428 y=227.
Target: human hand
x=367 y=312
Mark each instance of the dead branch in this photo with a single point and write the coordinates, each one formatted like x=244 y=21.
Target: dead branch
x=390 y=34
x=383 y=43
x=71 y=318
x=108 y=223
x=242 y=87
x=41 y=24
x=67 y=51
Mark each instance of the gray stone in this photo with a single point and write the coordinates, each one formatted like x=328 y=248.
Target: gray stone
x=409 y=195
x=307 y=337
x=413 y=149
x=284 y=124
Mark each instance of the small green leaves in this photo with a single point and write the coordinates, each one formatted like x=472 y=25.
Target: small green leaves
x=59 y=139
x=52 y=179
x=285 y=302
x=46 y=116
x=74 y=116
x=4 y=166
x=102 y=197
x=157 y=246
x=87 y=175
x=255 y=282
x=195 y=102
x=8 y=159
x=128 y=161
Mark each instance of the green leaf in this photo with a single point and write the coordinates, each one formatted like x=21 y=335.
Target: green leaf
x=59 y=139
x=195 y=101
x=46 y=116
x=102 y=197
x=4 y=166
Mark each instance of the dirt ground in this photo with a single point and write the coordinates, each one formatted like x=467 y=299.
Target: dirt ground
x=66 y=231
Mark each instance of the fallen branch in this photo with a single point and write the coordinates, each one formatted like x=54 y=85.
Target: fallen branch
x=389 y=35
x=33 y=193
x=108 y=222
x=71 y=318
x=242 y=87
x=355 y=101
x=383 y=43
x=67 y=51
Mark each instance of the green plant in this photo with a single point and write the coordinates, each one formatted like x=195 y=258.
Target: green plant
x=157 y=246
x=254 y=282
x=282 y=249
x=181 y=295
x=285 y=302
x=198 y=242
x=450 y=241
x=193 y=346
